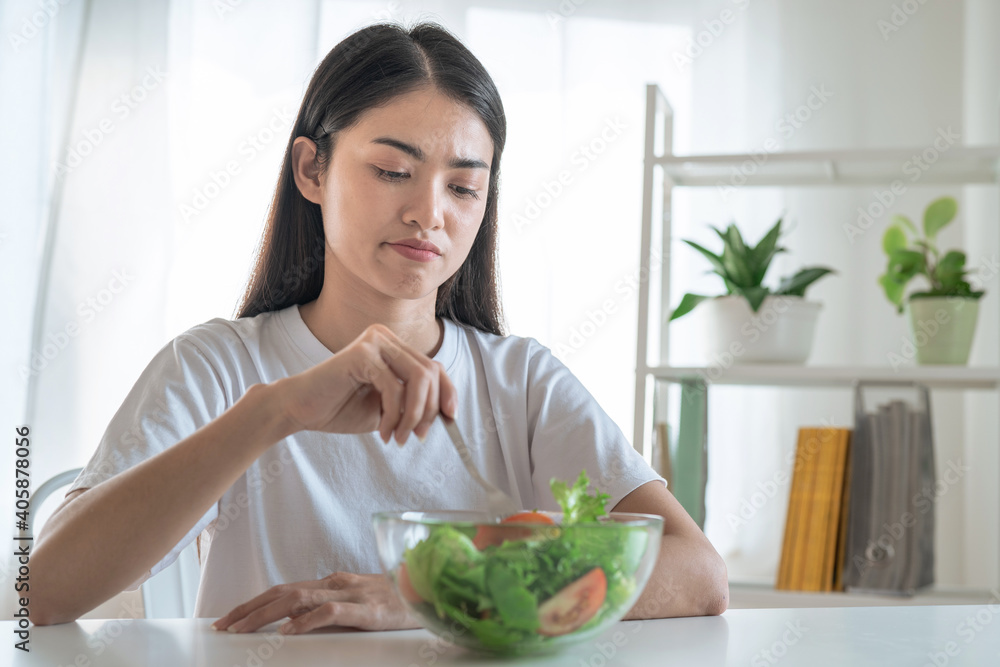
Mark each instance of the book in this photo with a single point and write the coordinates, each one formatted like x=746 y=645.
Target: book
x=816 y=513
x=836 y=514
x=795 y=503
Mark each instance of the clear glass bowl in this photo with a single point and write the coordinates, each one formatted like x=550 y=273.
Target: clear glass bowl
x=517 y=588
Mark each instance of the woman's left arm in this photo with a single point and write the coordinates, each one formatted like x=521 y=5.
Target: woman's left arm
x=689 y=578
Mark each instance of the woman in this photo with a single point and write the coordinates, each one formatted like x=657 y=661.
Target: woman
x=373 y=307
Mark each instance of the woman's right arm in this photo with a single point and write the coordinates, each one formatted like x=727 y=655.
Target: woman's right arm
x=107 y=537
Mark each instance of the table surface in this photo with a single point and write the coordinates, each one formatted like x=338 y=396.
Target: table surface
x=884 y=636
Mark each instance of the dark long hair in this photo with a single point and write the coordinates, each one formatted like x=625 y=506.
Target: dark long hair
x=366 y=70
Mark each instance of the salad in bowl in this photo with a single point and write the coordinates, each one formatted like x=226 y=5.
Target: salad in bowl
x=533 y=582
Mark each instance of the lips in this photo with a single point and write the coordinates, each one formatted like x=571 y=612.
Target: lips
x=416 y=254
x=417 y=244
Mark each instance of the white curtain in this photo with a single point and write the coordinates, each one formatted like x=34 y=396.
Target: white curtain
x=150 y=136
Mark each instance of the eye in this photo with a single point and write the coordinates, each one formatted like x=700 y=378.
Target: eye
x=393 y=176
x=466 y=192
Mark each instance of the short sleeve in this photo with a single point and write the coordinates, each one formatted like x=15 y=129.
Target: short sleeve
x=178 y=392
x=568 y=432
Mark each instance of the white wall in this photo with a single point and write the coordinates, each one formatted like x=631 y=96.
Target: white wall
x=896 y=89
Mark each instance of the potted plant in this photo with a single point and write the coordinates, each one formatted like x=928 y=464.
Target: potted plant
x=752 y=322
x=943 y=316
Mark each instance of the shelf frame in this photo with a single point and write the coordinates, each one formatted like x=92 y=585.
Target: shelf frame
x=954 y=165
x=951 y=165
x=763 y=375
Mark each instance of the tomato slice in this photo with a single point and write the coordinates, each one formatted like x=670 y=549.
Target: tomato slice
x=529 y=517
x=498 y=534
x=574 y=605
x=409 y=593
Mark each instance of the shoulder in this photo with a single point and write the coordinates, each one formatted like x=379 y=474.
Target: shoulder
x=515 y=353
x=221 y=337
x=226 y=351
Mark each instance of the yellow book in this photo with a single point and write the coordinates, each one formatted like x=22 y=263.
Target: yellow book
x=803 y=472
x=841 y=547
x=785 y=565
x=818 y=507
x=842 y=440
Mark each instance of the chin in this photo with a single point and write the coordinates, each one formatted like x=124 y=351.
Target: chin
x=411 y=286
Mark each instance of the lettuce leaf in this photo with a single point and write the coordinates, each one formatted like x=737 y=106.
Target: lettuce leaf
x=577 y=505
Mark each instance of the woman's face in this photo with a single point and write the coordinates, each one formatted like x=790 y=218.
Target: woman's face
x=412 y=173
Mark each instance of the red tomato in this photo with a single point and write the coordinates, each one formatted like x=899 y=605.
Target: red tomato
x=498 y=534
x=574 y=605
x=529 y=517
x=409 y=593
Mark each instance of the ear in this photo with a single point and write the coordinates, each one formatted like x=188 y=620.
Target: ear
x=305 y=169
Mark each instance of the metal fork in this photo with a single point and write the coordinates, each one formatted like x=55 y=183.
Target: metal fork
x=500 y=504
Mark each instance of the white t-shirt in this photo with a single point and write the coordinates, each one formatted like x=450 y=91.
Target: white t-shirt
x=303 y=509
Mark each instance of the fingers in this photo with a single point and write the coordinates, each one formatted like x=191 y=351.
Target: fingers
x=232 y=620
x=291 y=604
x=363 y=601
x=449 y=395
x=431 y=408
x=413 y=389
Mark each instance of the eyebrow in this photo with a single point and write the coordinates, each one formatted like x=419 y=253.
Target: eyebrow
x=455 y=162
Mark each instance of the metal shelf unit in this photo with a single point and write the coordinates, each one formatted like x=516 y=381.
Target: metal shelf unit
x=663 y=171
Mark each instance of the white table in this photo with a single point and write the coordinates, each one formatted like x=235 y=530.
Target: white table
x=853 y=636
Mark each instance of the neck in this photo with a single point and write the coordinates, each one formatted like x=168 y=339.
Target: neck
x=343 y=311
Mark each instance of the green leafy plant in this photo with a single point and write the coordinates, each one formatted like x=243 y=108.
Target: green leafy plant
x=919 y=256
x=742 y=269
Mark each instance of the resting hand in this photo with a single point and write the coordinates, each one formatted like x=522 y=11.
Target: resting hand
x=364 y=601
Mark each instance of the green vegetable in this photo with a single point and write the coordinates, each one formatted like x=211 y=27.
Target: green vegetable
x=496 y=593
x=577 y=506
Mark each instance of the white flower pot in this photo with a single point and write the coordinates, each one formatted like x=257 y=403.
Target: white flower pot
x=781 y=331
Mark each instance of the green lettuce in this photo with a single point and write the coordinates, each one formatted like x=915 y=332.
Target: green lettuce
x=577 y=505
x=496 y=593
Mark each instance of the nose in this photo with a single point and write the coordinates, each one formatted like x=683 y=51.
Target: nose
x=426 y=207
